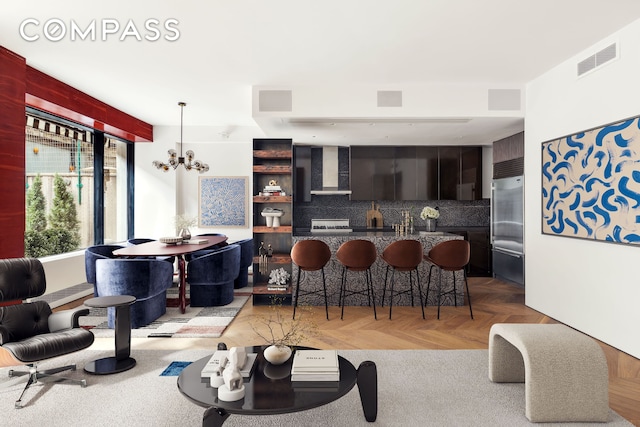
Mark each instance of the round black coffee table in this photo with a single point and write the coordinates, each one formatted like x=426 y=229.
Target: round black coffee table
x=270 y=391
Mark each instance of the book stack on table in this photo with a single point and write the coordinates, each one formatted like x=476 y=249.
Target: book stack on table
x=212 y=368
x=316 y=366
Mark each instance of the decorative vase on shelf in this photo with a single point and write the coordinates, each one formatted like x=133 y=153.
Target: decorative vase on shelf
x=277 y=354
x=430 y=224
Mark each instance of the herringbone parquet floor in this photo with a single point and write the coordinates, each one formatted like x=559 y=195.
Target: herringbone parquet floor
x=493 y=301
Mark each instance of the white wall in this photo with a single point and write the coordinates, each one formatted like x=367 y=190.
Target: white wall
x=162 y=195
x=63 y=271
x=591 y=286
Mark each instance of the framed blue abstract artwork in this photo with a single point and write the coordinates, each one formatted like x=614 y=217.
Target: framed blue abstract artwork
x=591 y=184
x=223 y=201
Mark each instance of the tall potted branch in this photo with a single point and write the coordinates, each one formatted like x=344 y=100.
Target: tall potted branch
x=281 y=332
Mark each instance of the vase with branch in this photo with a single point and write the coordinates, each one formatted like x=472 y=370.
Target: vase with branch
x=281 y=332
x=183 y=224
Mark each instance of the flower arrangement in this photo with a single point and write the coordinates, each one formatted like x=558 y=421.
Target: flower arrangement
x=279 y=277
x=429 y=213
x=185 y=221
x=279 y=330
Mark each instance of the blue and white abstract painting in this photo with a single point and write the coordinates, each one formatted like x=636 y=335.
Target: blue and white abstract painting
x=591 y=184
x=223 y=201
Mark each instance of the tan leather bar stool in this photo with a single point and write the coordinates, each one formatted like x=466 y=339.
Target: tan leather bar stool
x=310 y=255
x=450 y=255
x=402 y=256
x=357 y=255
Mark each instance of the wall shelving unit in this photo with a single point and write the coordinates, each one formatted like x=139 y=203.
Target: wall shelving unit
x=272 y=160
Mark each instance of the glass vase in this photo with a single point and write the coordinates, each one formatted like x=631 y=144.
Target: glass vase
x=430 y=224
x=185 y=234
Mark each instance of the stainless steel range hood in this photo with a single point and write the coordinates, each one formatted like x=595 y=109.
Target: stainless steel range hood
x=330 y=173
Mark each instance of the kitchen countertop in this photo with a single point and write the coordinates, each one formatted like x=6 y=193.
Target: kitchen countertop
x=333 y=270
x=386 y=231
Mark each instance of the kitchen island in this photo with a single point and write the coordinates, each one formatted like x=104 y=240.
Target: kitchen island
x=381 y=239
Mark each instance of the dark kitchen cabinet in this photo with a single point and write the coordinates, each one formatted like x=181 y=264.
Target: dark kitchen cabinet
x=449 y=172
x=416 y=173
x=470 y=174
x=302 y=173
x=406 y=173
x=427 y=172
x=372 y=173
x=480 y=247
x=480 y=250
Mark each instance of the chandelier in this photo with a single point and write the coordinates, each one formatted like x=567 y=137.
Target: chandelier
x=186 y=160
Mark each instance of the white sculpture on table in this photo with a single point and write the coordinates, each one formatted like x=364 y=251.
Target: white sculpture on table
x=233 y=387
x=216 y=379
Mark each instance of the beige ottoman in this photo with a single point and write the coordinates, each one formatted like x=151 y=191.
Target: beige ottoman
x=565 y=372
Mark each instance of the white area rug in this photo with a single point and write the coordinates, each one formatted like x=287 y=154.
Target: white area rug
x=196 y=322
x=416 y=388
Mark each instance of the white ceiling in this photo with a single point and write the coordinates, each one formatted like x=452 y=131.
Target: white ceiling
x=227 y=47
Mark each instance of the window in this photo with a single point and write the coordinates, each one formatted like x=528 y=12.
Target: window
x=61 y=188
x=115 y=190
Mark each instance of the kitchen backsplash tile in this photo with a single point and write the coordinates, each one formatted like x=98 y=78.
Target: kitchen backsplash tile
x=453 y=213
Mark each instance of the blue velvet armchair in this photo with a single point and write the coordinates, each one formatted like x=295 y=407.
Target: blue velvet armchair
x=145 y=279
x=201 y=252
x=246 y=259
x=93 y=253
x=211 y=277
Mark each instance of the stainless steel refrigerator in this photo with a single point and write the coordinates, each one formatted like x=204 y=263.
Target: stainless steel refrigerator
x=507 y=229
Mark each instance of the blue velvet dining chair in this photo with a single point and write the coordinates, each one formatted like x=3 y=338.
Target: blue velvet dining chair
x=141 y=240
x=93 y=253
x=210 y=249
x=145 y=279
x=246 y=259
x=211 y=277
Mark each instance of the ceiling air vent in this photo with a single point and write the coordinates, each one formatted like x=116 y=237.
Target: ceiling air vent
x=389 y=98
x=504 y=99
x=274 y=100
x=598 y=59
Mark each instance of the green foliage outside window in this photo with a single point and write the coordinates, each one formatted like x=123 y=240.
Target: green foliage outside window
x=36 y=207
x=63 y=213
x=63 y=233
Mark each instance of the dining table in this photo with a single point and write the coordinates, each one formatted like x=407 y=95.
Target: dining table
x=179 y=250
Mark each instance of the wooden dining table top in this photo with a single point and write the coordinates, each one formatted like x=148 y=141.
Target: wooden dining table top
x=157 y=248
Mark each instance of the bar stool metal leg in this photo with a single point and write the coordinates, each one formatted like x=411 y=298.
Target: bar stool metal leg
x=324 y=287
x=420 y=291
x=466 y=282
x=384 y=289
x=342 y=290
x=295 y=304
x=370 y=287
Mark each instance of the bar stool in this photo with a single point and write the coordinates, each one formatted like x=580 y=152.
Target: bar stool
x=402 y=256
x=310 y=255
x=450 y=255
x=357 y=255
